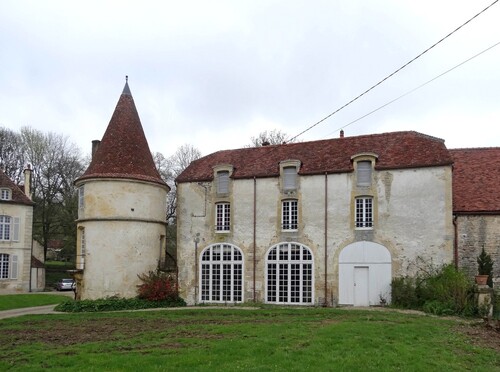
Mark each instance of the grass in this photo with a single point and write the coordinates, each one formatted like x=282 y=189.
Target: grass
x=305 y=339
x=17 y=301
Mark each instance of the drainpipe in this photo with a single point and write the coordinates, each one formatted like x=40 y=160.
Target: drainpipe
x=455 y=241
x=196 y=241
x=326 y=239
x=254 y=232
x=27 y=192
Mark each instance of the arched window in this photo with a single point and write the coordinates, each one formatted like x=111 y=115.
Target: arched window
x=221 y=278
x=289 y=272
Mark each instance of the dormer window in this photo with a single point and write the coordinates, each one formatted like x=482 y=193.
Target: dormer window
x=5 y=194
x=222 y=179
x=363 y=166
x=222 y=182
x=289 y=170
x=289 y=178
x=364 y=173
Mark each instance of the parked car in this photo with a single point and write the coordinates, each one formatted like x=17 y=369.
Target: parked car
x=65 y=285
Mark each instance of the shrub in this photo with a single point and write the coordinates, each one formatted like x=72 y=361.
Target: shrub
x=442 y=291
x=115 y=304
x=404 y=293
x=451 y=287
x=157 y=286
x=485 y=265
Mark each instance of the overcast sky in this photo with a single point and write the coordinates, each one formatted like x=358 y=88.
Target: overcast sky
x=212 y=74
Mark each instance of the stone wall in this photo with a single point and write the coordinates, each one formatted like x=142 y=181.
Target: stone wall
x=412 y=219
x=474 y=232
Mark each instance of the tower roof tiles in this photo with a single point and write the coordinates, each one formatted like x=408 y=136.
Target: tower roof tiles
x=123 y=151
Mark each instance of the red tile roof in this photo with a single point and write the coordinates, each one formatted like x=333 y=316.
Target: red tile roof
x=395 y=150
x=36 y=263
x=476 y=180
x=123 y=151
x=18 y=195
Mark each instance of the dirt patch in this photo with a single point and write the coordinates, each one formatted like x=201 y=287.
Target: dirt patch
x=481 y=334
x=65 y=333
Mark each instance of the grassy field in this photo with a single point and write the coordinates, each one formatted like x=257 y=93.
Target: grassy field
x=311 y=339
x=17 y=301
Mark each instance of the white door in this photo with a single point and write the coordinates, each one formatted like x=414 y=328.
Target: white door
x=361 y=297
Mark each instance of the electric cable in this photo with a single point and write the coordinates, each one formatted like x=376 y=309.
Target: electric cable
x=393 y=73
x=415 y=89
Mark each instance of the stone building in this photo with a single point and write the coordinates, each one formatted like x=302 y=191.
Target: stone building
x=322 y=222
x=21 y=269
x=476 y=206
x=121 y=215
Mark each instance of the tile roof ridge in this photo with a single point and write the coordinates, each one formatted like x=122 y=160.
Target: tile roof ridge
x=475 y=148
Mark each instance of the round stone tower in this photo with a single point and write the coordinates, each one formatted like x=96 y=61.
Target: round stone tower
x=121 y=215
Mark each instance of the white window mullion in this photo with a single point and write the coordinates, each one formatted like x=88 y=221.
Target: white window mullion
x=301 y=300
x=210 y=274
x=231 y=282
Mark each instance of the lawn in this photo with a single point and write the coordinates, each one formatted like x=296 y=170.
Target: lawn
x=313 y=339
x=17 y=301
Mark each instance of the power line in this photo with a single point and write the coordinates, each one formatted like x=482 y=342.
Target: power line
x=416 y=88
x=393 y=73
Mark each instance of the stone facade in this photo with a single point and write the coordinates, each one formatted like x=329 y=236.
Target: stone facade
x=473 y=233
x=412 y=224
x=16 y=248
x=476 y=206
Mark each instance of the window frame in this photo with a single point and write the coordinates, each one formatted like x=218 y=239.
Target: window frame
x=4 y=266
x=364 y=171
x=222 y=178
x=6 y=229
x=289 y=274
x=5 y=193
x=222 y=217
x=289 y=176
x=12 y=227
x=81 y=197
x=221 y=274
x=289 y=215
x=363 y=212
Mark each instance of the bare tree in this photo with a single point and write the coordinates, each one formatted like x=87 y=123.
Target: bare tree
x=183 y=157
x=169 y=169
x=56 y=163
x=272 y=137
x=11 y=155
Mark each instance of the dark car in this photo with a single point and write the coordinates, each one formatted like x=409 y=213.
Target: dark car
x=65 y=285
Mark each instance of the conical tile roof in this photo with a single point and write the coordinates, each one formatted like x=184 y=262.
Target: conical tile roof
x=123 y=151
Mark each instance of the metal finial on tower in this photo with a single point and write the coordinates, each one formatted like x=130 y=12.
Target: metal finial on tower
x=126 y=89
